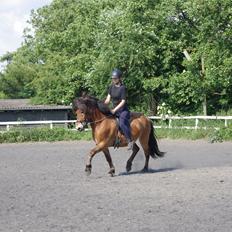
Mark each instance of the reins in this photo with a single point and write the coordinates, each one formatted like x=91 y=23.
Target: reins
x=100 y=120
x=97 y=120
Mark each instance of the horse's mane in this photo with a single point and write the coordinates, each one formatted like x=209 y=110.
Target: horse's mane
x=90 y=102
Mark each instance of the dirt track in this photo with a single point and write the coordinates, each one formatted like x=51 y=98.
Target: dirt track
x=43 y=188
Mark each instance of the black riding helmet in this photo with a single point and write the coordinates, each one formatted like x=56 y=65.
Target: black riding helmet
x=117 y=73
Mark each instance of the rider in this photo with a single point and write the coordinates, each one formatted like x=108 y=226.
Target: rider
x=117 y=91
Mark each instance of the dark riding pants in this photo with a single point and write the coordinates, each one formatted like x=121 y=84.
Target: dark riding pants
x=124 y=123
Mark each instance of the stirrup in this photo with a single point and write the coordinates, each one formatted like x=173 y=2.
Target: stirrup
x=117 y=142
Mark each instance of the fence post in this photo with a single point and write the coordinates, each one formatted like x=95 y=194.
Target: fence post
x=196 y=123
x=170 y=123
x=226 y=124
x=51 y=125
x=7 y=127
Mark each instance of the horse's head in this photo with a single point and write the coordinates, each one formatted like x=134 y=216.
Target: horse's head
x=85 y=109
x=81 y=111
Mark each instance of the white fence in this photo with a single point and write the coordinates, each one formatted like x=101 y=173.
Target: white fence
x=170 y=119
x=51 y=124
x=196 y=118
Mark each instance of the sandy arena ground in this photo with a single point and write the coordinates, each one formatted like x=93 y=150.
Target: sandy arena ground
x=43 y=188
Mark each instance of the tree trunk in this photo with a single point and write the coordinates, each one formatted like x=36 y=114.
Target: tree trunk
x=204 y=103
x=152 y=105
x=204 y=106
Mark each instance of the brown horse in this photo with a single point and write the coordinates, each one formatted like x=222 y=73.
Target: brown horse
x=105 y=132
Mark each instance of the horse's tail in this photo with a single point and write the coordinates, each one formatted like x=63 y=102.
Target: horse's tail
x=153 y=145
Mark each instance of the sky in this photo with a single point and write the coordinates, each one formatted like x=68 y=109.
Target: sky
x=13 y=17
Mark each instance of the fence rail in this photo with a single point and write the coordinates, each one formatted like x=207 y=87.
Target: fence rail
x=196 y=118
x=51 y=123
x=170 y=119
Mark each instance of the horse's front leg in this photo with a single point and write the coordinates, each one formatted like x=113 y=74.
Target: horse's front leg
x=90 y=156
x=109 y=160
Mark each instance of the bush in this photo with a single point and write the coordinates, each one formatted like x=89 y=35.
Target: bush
x=224 y=134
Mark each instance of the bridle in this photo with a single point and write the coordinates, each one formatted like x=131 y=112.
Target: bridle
x=87 y=121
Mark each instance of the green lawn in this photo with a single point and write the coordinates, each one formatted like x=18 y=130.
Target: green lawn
x=19 y=135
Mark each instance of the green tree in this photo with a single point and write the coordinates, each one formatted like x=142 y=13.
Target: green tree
x=17 y=77
x=76 y=44
x=209 y=23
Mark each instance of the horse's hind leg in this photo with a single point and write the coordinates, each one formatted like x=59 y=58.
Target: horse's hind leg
x=147 y=157
x=109 y=160
x=130 y=160
x=144 y=143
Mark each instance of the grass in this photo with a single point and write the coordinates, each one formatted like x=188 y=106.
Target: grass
x=212 y=135
x=19 y=135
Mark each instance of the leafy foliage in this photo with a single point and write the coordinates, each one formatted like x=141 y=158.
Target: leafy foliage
x=76 y=44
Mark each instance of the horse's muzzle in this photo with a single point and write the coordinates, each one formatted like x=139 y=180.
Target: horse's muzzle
x=79 y=126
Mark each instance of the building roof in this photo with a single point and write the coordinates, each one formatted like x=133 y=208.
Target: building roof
x=24 y=104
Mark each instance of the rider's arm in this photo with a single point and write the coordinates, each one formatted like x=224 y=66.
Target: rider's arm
x=107 y=101
x=121 y=104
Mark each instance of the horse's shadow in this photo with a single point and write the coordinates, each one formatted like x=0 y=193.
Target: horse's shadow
x=149 y=171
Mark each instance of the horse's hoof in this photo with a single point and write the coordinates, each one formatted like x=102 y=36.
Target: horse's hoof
x=111 y=172
x=128 y=167
x=87 y=172
x=88 y=169
x=144 y=170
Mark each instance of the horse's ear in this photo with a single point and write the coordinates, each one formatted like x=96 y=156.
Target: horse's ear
x=84 y=94
x=74 y=104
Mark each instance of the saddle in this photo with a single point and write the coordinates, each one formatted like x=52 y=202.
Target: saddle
x=120 y=135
